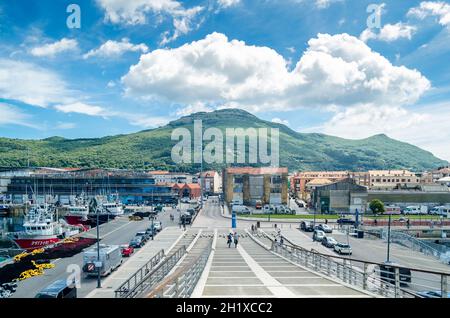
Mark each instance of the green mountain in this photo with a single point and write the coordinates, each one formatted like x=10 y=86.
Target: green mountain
x=151 y=149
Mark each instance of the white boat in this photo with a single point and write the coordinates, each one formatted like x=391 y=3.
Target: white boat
x=41 y=229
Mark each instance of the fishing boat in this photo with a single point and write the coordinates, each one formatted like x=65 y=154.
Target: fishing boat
x=76 y=214
x=41 y=228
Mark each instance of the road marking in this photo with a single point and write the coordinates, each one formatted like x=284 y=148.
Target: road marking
x=109 y=233
x=270 y=282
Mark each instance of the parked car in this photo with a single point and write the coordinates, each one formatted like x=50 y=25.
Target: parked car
x=343 y=248
x=157 y=225
x=268 y=209
x=328 y=241
x=126 y=250
x=326 y=228
x=318 y=235
x=145 y=236
x=150 y=231
x=240 y=209
x=432 y=294
x=258 y=205
x=345 y=221
x=136 y=242
x=307 y=226
x=58 y=289
x=387 y=273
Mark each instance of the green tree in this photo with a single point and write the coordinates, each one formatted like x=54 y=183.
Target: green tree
x=376 y=206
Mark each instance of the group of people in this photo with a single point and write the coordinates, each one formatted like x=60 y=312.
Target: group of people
x=232 y=238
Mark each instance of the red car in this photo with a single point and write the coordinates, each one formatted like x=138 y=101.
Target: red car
x=126 y=250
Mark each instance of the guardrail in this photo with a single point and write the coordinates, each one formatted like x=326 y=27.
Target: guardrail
x=149 y=274
x=404 y=239
x=181 y=284
x=385 y=280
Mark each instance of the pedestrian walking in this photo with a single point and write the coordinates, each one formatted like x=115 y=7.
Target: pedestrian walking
x=236 y=239
x=253 y=228
x=229 y=239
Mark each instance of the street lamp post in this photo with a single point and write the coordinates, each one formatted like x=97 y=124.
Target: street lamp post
x=153 y=229
x=99 y=283
x=389 y=239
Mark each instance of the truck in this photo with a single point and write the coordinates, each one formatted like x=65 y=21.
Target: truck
x=415 y=209
x=110 y=260
x=392 y=209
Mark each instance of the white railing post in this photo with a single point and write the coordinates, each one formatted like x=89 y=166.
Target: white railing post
x=397 y=282
x=365 y=277
x=444 y=286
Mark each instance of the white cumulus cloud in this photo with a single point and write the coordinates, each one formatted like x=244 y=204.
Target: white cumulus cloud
x=136 y=12
x=438 y=9
x=12 y=115
x=389 y=32
x=334 y=70
x=81 y=108
x=280 y=121
x=426 y=128
x=112 y=48
x=31 y=84
x=228 y=3
x=52 y=49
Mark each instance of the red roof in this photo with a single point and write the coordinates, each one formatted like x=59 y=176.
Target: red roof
x=191 y=186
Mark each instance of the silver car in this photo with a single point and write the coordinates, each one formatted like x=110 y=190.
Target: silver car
x=318 y=235
x=342 y=248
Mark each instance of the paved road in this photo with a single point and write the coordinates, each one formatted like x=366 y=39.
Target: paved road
x=210 y=217
x=117 y=232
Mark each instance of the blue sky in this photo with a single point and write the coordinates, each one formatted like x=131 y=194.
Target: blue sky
x=318 y=66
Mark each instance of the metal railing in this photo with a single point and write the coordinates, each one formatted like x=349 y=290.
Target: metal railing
x=385 y=280
x=181 y=284
x=150 y=274
x=441 y=253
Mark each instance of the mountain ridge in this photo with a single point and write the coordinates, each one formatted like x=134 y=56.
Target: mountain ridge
x=151 y=149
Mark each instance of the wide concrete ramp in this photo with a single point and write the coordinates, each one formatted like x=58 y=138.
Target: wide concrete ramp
x=251 y=270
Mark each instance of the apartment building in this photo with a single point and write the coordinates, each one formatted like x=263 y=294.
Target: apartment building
x=212 y=182
x=247 y=185
x=390 y=179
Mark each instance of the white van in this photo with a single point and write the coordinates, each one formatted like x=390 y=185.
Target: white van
x=440 y=210
x=241 y=209
x=415 y=209
x=110 y=259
